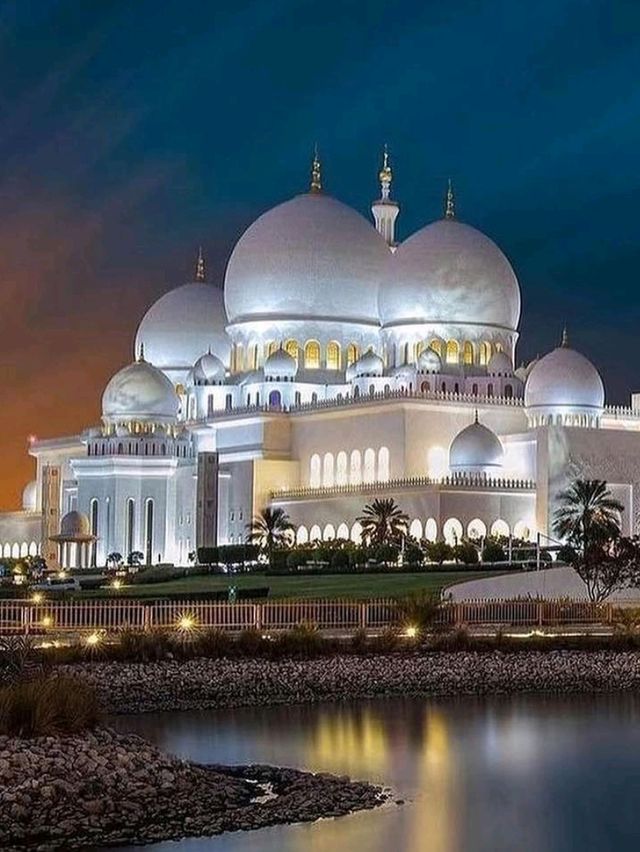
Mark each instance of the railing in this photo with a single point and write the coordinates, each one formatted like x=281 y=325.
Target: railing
x=460 y=480
x=112 y=616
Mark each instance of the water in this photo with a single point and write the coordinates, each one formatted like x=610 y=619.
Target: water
x=527 y=774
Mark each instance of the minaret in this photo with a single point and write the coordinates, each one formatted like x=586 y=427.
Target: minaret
x=385 y=210
x=200 y=268
x=316 y=175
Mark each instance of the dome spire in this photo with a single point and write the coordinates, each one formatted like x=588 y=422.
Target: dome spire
x=385 y=210
x=200 y=267
x=140 y=357
x=565 y=337
x=316 y=173
x=386 y=175
x=450 y=206
x=475 y=417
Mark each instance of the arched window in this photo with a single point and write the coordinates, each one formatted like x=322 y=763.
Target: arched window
x=485 y=352
x=252 y=357
x=369 y=473
x=312 y=355
x=302 y=535
x=270 y=348
x=499 y=346
x=500 y=528
x=420 y=348
x=239 y=358
x=522 y=530
x=33 y=549
x=383 y=464
x=93 y=517
x=452 y=531
x=476 y=529
x=453 y=352
x=316 y=533
x=291 y=347
x=474 y=389
x=356 y=533
x=437 y=464
x=352 y=353
x=508 y=391
x=315 y=473
x=275 y=399
x=467 y=352
x=355 y=468
x=6 y=550
x=148 y=530
x=342 y=474
x=130 y=527
x=436 y=345
x=15 y=551
x=415 y=529
x=431 y=529
x=329 y=533
x=425 y=387
x=327 y=471
x=333 y=355
x=120 y=448
x=443 y=387
x=490 y=389
x=24 y=549
x=210 y=405
x=343 y=532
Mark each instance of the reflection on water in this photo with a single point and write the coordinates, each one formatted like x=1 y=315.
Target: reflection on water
x=535 y=774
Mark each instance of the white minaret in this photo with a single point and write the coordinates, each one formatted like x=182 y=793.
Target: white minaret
x=385 y=210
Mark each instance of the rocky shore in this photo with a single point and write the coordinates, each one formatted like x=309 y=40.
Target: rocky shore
x=105 y=788
x=206 y=683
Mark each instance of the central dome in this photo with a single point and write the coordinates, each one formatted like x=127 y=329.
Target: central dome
x=309 y=258
x=450 y=273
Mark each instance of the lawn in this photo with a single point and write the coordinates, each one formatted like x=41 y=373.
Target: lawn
x=329 y=586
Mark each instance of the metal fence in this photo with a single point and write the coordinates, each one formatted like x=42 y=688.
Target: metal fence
x=22 y=616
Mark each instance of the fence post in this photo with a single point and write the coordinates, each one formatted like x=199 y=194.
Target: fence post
x=540 y=613
x=147 y=618
x=257 y=616
x=363 y=616
x=25 y=619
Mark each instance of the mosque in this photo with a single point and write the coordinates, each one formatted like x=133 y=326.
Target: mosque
x=335 y=365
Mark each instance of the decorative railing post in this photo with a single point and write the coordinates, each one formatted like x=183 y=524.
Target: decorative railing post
x=363 y=616
x=257 y=616
x=25 y=619
x=147 y=618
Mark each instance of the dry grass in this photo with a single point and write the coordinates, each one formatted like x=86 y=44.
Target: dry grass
x=48 y=706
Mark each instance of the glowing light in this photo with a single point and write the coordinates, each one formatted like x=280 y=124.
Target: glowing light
x=411 y=632
x=117 y=584
x=37 y=597
x=186 y=623
x=93 y=639
x=62 y=575
x=47 y=621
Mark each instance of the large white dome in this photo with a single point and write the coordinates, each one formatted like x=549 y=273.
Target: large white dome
x=309 y=258
x=183 y=324
x=564 y=382
x=140 y=392
x=450 y=273
x=476 y=449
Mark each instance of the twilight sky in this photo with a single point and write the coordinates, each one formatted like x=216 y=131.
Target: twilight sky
x=132 y=132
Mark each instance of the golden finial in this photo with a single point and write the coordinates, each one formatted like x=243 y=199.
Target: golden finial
x=141 y=352
x=200 y=268
x=316 y=177
x=385 y=175
x=476 y=416
x=565 y=337
x=450 y=208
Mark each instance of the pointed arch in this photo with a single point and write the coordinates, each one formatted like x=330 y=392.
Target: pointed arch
x=333 y=355
x=453 y=352
x=431 y=529
x=342 y=474
x=352 y=353
x=468 y=354
x=328 y=476
x=343 y=531
x=329 y=532
x=316 y=533
x=302 y=535
x=383 y=464
x=312 y=355
x=315 y=471
x=291 y=346
x=369 y=470
x=355 y=468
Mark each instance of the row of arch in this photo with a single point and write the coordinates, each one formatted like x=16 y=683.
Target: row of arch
x=354 y=469
x=17 y=549
x=453 y=530
x=311 y=355
x=449 y=351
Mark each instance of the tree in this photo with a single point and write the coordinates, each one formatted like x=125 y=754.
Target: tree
x=610 y=566
x=135 y=558
x=438 y=551
x=270 y=529
x=383 y=522
x=114 y=559
x=588 y=514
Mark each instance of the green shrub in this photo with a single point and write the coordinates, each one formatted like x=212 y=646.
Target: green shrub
x=386 y=553
x=148 y=647
x=418 y=610
x=438 y=551
x=493 y=552
x=466 y=553
x=413 y=554
x=48 y=707
x=386 y=642
x=207 y=555
x=566 y=554
x=251 y=643
x=303 y=641
x=360 y=641
x=340 y=559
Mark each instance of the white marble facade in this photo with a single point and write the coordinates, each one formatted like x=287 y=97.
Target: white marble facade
x=334 y=365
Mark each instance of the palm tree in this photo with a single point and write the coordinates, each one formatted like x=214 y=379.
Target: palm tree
x=588 y=514
x=269 y=529
x=383 y=522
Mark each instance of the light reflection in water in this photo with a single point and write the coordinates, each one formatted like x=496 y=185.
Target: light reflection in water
x=536 y=775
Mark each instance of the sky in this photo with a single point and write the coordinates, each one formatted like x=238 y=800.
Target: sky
x=130 y=133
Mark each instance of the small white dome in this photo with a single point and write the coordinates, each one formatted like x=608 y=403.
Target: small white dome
x=183 y=324
x=311 y=257
x=429 y=361
x=208 y=370
x=75 y=525
x=500 y=365
x=140 y=392
x=369 y=364
x=564 y=382
x=476 y=450
x=450 y=273
x=30 y=496
x=521 y=373
x=280 y=366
